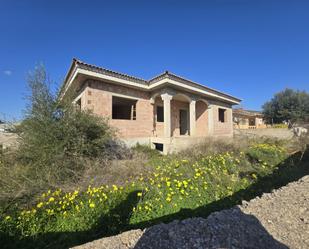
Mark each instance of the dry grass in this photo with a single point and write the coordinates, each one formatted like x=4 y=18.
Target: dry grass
x=22 y=183
x=214 y=146
x=114 y=172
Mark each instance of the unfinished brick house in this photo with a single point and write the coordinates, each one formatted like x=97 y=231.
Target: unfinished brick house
x=168 y=112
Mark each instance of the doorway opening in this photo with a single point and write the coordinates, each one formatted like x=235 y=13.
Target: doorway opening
x=183 y=122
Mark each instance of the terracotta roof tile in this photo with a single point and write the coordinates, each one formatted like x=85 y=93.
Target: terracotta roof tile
x=109 y=72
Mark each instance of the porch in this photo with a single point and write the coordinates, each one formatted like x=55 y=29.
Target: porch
x=179 y=119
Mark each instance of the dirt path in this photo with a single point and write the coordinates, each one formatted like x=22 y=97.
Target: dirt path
x=276 y=220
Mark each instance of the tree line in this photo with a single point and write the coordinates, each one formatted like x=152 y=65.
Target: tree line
x=289 y=105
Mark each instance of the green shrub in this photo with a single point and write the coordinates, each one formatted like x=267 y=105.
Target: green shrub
x=55 y=130
x=56 y=142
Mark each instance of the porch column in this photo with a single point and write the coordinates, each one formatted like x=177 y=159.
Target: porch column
x=192 y=117
x=256 y=121
x=167 y=113
x=211 y=119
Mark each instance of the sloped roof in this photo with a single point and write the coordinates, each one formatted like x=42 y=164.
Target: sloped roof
x=142 y=82
x=250 y=113
x=108 y=72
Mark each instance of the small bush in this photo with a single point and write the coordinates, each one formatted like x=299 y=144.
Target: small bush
x=55 y=129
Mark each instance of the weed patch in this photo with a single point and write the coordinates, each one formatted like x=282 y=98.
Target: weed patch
x=176 y=188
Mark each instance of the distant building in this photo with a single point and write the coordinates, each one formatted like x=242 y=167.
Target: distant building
x=247 y=119
x=7 y=137
x=2 y=126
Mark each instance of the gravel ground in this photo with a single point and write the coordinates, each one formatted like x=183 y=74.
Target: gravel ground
x=276 y=220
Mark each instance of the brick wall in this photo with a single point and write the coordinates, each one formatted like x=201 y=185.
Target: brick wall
x=83 y=98
x=201 y=119
x=98 y=98
x=158 y=130
x=225 y=128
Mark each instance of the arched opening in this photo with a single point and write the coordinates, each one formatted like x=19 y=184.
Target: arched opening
x=154 y=97
x=178 y=124
x=180 y=110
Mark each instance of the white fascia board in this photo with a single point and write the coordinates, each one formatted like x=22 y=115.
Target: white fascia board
x=70 y=82
x=147 y=87
x=192 y=88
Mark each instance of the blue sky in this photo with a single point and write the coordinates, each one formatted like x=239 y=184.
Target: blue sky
x=250 y=49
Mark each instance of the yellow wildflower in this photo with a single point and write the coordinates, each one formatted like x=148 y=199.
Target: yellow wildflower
x=168 y=199
x=40 y=205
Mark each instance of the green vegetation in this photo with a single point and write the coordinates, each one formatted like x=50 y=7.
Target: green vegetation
x=56 y=143
x=175 y=188
x=69 y=181
x=280 y=126
x=55 y=131
x=288 y=105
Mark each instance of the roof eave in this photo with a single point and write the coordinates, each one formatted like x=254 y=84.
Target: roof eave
x=67 y=77
x=169 y=75
x=90 y=70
